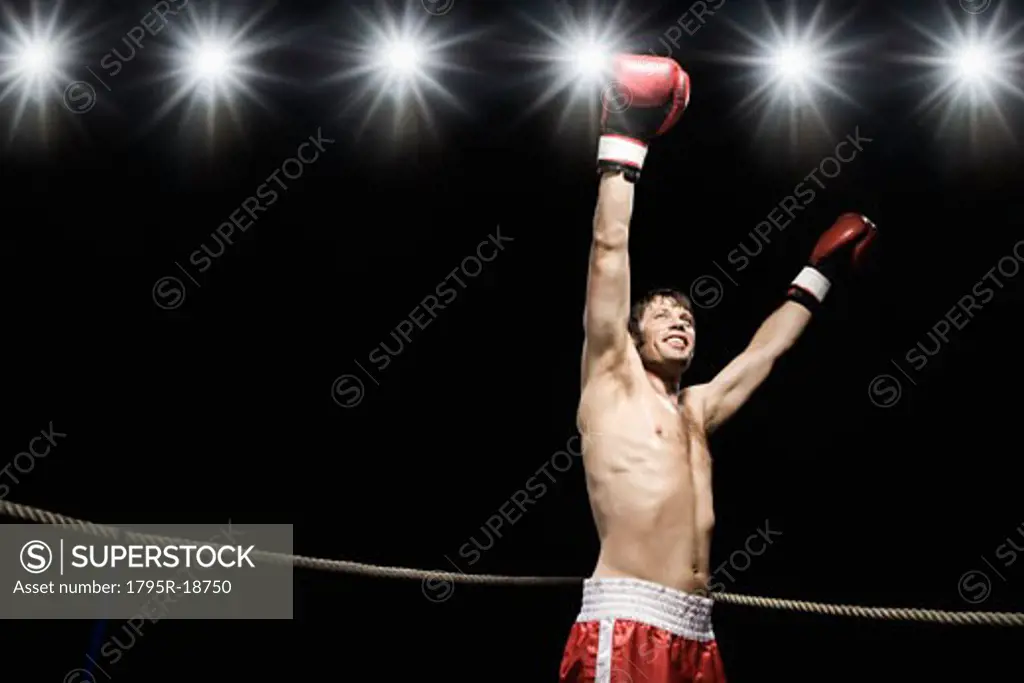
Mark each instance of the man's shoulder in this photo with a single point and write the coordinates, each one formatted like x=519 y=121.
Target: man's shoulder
x=622 y=369
x=610 y=387
x=694 y=391
x=692 y=397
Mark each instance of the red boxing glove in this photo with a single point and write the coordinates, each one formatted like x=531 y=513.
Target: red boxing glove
x=843 y=248
x=646 y=98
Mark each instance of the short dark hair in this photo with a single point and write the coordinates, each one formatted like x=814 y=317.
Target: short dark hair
x=637 y=312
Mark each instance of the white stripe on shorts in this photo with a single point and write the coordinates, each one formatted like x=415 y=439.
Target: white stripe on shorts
x=603 y=670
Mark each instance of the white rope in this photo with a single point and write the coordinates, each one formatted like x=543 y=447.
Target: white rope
x=40 y=516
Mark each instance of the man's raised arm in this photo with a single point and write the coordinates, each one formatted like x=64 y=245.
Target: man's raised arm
x=646 y=98
x=607 y=306
x=840 y=249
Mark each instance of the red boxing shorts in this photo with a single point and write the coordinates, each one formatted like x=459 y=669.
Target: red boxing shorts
x=632 y=631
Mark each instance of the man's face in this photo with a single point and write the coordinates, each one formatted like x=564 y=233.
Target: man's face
x=668 y=333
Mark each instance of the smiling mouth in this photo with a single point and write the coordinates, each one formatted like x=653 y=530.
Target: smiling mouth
x=677 y=341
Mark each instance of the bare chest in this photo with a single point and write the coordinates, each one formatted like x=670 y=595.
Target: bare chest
x=651 y=429
x=674 y=423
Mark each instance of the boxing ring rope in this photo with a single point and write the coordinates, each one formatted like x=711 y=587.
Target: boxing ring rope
x=40 y=516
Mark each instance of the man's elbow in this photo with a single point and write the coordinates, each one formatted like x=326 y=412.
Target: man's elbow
x=611 y=237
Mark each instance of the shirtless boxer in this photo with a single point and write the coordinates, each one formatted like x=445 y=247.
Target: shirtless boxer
x=644 y=618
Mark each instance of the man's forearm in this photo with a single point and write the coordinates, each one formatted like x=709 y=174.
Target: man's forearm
x=614 y=210
x=734 y=385
x=608 y=280
x=781 y=329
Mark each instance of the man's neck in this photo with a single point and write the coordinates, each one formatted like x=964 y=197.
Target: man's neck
x=666 y=386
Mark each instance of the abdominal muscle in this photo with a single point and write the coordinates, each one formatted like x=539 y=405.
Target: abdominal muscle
x=649 y=481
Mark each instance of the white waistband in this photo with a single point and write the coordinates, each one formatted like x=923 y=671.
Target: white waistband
x=682 y=614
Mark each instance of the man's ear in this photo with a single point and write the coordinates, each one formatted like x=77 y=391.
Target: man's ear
x=637 y=335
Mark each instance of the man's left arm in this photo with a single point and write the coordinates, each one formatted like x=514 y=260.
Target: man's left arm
x=730 y=389
x=842 y=248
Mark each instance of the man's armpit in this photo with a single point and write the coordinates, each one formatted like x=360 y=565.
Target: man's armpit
x=695 y=399
x=614 y=363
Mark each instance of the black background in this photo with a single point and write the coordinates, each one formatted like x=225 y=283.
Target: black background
x=223 y=407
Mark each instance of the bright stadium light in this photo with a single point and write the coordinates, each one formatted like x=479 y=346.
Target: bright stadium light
x=972 y=73
x=797 y=66
x=588 y=59
x=974 y=67
x=37 y=59
x=794 y=63
x=403 y=57
x=212 y=60
x=393 y=61
x=798 y=69
x=573 y=57
x=974 y=63
x=212 y=64
x=31 y=64
x=33 y=55
x=970 y=67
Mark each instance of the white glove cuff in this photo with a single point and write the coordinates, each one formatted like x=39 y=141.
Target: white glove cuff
x=626 y=151
x=812 y=282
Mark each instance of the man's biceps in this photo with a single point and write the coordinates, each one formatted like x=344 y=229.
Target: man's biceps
x=733 y=386
x=726 y=388
x=721 y=382
x=720 y=405
x=710 y=396
x=604 y=332
x=742 y=368
x=606 y=307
